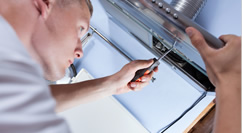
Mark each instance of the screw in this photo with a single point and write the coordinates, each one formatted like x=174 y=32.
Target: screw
x=168 y=10
x=160 y=4
x=173 y=67
x=158 y=45
x=153 y=1
x=175 y=16
x=153 y=79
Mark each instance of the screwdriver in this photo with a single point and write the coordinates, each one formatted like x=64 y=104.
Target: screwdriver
x=147 y=71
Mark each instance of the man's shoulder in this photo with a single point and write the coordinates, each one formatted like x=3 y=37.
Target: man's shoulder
x=17 y=67
x=10 y=45
x=24 y=94
x=13 y=53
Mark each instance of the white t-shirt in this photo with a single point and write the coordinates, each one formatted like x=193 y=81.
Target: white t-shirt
x=26 y=104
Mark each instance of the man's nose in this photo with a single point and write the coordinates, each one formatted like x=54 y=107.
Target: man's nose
x=78 y=50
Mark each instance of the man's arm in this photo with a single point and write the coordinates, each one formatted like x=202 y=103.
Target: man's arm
x=70 y=95
x=224 y=71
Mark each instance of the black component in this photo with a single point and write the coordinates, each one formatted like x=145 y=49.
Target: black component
x=176 y=58
x=187 y=67
x=200 y=77
x=73 y=69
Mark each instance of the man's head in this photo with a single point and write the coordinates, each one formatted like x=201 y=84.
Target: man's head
x=64 y=3
x=56 y=36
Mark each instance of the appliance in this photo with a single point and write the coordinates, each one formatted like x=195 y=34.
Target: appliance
x=124 y=30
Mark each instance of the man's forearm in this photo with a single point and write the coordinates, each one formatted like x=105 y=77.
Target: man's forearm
x=70 y=95
x=228 y=109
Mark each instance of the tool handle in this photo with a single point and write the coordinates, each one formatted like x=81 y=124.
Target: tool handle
x=145 y=71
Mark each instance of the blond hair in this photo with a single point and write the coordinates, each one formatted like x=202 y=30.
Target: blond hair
x=64 y=3
x=90 y=7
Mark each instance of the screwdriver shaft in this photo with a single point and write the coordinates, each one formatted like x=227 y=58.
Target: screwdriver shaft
x=167 y=51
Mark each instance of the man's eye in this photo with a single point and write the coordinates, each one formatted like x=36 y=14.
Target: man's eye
x=81 y=29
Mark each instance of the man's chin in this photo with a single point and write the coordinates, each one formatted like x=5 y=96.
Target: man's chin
x=54 y=77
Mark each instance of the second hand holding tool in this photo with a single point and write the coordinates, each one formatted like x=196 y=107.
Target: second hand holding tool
x=147 y=71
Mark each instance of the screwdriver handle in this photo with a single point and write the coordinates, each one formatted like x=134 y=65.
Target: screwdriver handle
x=145 y=71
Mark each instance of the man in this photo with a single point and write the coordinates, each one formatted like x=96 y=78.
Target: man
x=47 y=33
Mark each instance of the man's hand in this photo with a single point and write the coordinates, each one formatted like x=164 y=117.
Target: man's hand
x=224 y=71
x=121 y=79
x=222 y=64
x=70 y=95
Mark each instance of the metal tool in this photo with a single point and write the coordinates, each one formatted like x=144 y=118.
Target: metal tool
x=147 y=71
x=121 y=52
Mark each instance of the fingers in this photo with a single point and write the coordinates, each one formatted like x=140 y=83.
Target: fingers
x=198 y=41
x=136 y=86
x=156 y=69
x=137 y=65
x=147 y=78
x=140 y=64
x=227 y=38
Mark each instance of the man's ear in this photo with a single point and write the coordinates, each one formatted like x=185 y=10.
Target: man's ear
x=43 y=7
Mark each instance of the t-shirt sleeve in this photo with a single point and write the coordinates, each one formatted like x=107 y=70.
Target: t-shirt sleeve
x=26 y=104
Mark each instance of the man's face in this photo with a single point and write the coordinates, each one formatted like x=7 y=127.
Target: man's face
x=58 y=42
